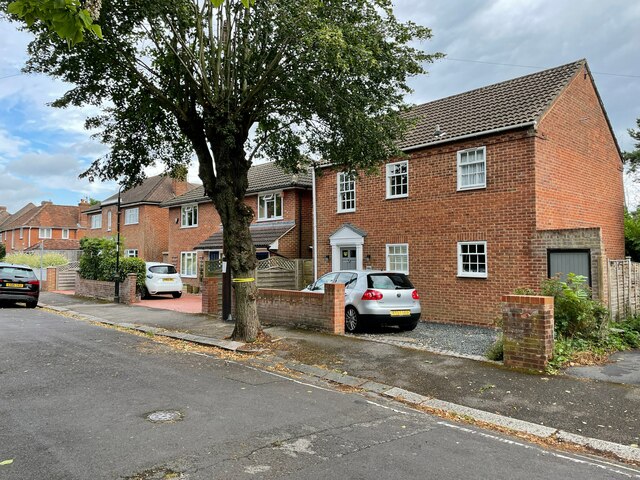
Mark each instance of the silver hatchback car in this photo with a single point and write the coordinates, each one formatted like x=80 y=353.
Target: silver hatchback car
x=374 y=297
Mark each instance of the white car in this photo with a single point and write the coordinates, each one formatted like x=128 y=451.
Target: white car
x=162 y=278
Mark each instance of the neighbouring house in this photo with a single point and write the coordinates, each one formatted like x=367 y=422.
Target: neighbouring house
x=282 y=225
x=144 y=225
x=31 y=225
x=67 y=248
x=501 y=187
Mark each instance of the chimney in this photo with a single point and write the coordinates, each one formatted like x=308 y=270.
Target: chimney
x=46 y=202
x=179 y=187
x=3 y=208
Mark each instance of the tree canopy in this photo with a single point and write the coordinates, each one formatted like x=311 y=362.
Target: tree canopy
x=286 y=79
x=633 y=158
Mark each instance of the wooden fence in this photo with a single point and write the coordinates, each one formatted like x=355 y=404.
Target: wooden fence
x=624 y=288
x=274 y=272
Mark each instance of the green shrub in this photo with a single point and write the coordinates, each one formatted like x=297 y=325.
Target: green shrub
x=576 y=313
x=496 y=351
x=33 y=259
x=98 y=262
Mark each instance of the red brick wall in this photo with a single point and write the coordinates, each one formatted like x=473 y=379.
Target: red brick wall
x=292 y=308
x=527 y=325
x=435 y=217
x=579 y=180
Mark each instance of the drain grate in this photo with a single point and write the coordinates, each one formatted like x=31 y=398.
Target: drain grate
x=164 y=416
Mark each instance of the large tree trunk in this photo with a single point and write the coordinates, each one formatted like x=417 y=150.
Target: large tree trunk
x=228 y=197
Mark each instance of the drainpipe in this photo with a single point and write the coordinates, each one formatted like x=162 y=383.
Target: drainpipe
x=315 y=223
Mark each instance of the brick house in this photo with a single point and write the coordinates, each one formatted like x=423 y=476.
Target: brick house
x=500 y=188
x=144 y=225
x=32 y=224
x=282 y=224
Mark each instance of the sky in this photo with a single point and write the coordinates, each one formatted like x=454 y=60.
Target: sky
x=43 y=149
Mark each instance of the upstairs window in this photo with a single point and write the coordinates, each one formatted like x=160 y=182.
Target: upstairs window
x=346 y=192
x=189 y=215
x=270 y=206
x=398 y=179
x=131 y=216
x=472 y=259
x=44 y=233
x=472 y=168
x=109 y=221
x=96 y=221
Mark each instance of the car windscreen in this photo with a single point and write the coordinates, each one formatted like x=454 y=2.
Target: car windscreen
x=17 y=272
x=163 y=269
x=388 y=281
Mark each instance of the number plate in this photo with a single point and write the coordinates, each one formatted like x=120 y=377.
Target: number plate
x=400 y=313
x=14 y=285
x=167 y=279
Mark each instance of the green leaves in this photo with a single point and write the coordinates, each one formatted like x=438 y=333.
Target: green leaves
x=66 y=18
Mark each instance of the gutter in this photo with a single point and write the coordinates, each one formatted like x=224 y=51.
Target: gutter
x=471 y=135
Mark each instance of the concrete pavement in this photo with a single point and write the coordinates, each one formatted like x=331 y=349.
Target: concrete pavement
x=602 y=415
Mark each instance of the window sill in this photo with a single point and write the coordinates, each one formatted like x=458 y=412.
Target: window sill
x=346 y=211
x=188 y=276
x=269 y=219
x=397 y=197
x=188 y=226
x=464 y=189
x=481 y=276
x=136 y=223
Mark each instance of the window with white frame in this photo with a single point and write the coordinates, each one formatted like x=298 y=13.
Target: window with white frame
x=109 y=221
x=398 y=179
x=472 y=168
x=189 y=264
x=270 y=206
x=189 y=215
x=131 y=252
x=65 y=234
x=472 y=259
x=44 y=232
x=131 y=216
x=346 y=192
x=20 y=233
x=96 y=221
x=398 y=257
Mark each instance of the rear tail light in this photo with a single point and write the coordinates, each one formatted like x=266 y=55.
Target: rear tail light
x=34 y=282
x=415 y=295
x=372 y=295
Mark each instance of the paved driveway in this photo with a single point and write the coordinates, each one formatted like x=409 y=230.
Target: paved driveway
x=188 y=303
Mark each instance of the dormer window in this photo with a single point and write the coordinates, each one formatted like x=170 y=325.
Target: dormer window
x=270 y=206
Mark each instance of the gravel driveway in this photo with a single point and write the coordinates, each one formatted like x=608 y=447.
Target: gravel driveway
x=459 y=340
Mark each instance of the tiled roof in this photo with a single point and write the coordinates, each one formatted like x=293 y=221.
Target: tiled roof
x=45 y=215
x=262 y=234
x=56 y=244
x=4 y=215
x=152 y=190
x=504 y=105
x=263 y=177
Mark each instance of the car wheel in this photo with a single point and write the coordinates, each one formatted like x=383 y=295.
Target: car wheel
x=176 y=294
x=144 y=293
x=351 y=320
x=32 y=304
x=409 y=326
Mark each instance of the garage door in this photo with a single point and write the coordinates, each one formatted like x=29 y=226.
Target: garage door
x=569 y=261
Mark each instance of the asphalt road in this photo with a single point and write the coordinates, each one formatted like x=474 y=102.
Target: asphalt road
x=74 y=400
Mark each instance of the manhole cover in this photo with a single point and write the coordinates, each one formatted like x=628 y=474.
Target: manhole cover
x=164 y=416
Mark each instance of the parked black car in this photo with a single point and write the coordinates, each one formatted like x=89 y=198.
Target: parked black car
x=18 y=283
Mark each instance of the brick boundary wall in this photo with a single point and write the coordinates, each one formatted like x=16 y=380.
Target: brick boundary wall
x=106 y=290
x=294 y=308
x=527 y=327
x=289 y=307
x=210 y=296
x=51 y=282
